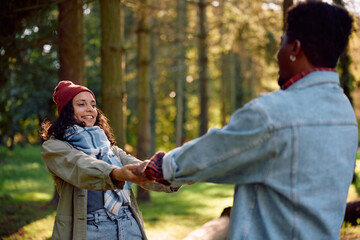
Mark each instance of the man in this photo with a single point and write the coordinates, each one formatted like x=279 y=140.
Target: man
x=290 y=153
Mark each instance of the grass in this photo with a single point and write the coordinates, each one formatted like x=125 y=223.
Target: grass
x=173 y=216
x=26 y=189
x=23 y=176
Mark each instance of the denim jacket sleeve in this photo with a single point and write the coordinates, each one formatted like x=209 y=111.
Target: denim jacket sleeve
x=241 y=152
x=68 y=164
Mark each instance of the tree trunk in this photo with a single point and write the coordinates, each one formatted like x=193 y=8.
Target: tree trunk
x=181 y=72
x=224 y=66
x=286 y=5
x=71 y=41
x=71 y=47
x=152 y=79
x=143 y=146
x=234 y=67
x=239 y=92
x=346 y=79
x=112 y=67
x=203 y=67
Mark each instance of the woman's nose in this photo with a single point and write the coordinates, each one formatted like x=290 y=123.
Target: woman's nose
x=89 y=108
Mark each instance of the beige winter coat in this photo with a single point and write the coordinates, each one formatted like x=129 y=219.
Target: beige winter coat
x=74 y=172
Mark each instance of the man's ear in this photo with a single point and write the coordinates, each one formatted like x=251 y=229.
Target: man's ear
x=296 y=48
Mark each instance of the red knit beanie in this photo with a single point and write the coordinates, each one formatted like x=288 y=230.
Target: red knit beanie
x=66 y=91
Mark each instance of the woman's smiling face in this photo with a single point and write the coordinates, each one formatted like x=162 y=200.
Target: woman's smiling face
x=85 y=108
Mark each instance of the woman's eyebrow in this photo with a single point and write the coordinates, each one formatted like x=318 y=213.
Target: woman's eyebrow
x=84 y=100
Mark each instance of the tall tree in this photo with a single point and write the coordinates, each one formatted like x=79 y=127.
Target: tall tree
x=71 y=41
x=181 y=20
x=112 y=67
x=203 y=66
x=286 y=5
x=153 y=75
x=237 y=91
x=143 y=109
x=224 y=66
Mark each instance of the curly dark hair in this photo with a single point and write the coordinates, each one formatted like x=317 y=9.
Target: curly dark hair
x=322 y=29
x=66 y=120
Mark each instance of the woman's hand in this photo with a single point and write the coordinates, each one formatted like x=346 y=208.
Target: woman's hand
x=126 y=174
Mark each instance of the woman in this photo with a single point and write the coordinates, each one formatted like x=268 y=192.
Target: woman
x=91 y=174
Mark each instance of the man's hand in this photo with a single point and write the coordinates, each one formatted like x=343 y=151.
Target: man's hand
x=126 y=174
x=140 y=170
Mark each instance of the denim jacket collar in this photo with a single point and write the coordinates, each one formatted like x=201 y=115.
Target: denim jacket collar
x=316 y=78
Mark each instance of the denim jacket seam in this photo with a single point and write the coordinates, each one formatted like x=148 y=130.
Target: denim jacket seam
x=315 y=123
x=311 y=85
x=235 y=152
x=272 y=158
x=294 y=169
x=270 y=133
x=252 y=207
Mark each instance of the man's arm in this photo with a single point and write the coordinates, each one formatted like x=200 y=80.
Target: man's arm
x=238 y=153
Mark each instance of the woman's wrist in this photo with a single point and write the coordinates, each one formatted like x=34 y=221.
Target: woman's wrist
x=116 y=177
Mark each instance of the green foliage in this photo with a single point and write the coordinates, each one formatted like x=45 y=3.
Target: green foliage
x=25 y=104
x=347 y=80
x=31 y=73
x=245 y=32
x=357 y=173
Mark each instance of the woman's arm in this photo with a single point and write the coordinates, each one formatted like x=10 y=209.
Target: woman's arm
x=83 y=171
x=126 y=174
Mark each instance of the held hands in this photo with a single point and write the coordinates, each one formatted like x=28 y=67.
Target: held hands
x=126 y=174
x=152 y=169
x=140 y=170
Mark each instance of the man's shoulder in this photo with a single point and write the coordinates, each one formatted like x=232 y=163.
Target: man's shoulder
x=266 y=101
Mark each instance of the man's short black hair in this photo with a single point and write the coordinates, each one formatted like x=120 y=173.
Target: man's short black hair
x=322 y=29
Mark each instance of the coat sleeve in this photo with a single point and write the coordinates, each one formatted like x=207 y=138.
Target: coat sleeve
x=76 y=167
x=129 y=159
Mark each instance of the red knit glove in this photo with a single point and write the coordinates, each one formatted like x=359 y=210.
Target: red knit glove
x=153 y=170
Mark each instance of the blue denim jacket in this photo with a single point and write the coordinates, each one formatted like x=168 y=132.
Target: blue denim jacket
x=291 y=155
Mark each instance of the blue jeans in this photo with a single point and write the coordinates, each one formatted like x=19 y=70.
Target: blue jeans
x=101 y=225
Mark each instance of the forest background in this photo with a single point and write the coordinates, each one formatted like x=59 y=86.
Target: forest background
x=163 y=71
